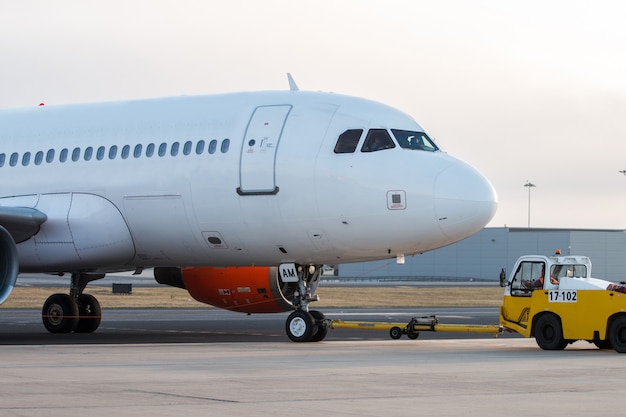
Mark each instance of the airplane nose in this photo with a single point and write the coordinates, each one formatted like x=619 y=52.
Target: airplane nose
x=465 y=201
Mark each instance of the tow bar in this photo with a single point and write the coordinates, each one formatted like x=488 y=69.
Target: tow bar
x=414 y=326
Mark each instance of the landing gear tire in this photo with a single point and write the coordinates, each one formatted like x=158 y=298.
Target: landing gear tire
x=90 y=314
x=322 y=330
x=395 y=332
x=301 y=326
x=60 y=313
x=549 y=333
x=617 y=334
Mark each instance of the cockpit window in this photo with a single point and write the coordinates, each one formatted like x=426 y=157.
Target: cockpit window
x=348 y=140
x=414 y=140
x=377 y=140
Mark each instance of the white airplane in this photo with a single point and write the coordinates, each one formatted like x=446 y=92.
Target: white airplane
x=239 y=198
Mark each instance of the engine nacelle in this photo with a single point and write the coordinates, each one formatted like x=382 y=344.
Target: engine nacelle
x=9 y=265
x=249 y=289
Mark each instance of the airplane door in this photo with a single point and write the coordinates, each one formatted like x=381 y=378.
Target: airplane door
x=258 y=153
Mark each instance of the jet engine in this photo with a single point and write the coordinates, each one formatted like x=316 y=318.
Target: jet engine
x=250 y=289
x=9 y=265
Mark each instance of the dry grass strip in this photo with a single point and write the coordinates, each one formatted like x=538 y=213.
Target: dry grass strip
x=167 y=297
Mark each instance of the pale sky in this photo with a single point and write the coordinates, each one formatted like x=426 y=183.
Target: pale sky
x=532 y=90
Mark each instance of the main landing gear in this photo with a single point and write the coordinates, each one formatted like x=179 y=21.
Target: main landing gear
x=303 y=325
x=76 y=312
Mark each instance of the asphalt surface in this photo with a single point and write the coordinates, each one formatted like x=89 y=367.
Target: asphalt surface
x=211 y=325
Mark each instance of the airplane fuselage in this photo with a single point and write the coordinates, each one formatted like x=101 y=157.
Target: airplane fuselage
x=236 y=179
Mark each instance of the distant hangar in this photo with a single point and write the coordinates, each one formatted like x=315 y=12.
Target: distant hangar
x=482 y=256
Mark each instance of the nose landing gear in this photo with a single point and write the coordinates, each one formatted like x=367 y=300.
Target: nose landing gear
x=303 y=325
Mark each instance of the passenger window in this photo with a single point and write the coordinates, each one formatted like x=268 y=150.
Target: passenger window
x=100 y=153
x=137 y=151
x=225 y=145
x=26 y=159
x=162 y=149
x=348 y=141
x=414 y=140
x=212 y=146
x=76 y=154
x=528 y=277
x=112 y=152
x=150 y=150
x=3 y=157
x=88 y=153
x=38 y=158
x=377 y=140
x=125 y=151
x=50 y=155
x=14 y=158
x=187 y=148
x=63 y=155
x=200 y=147
x=174 y=150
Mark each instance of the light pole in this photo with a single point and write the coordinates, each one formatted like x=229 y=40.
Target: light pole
x=530 y=185
x=623 y=171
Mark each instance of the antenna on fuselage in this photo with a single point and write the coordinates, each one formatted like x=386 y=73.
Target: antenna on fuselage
x=292 y=84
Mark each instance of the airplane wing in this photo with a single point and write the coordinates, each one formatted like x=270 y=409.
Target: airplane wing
x=21 y=222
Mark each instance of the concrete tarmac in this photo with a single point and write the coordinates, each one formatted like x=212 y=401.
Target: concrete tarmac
x=133 y=373
x=354 y=378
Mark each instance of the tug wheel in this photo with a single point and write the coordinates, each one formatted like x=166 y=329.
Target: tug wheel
x=549 y=333
x=617 y=334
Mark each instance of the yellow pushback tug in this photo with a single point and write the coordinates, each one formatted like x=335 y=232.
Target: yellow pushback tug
x=556 y=300
x=553 y=299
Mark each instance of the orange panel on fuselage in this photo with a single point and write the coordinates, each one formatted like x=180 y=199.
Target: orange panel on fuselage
x=244 y=289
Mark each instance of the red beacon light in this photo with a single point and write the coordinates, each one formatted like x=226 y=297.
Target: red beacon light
x=557 y=252
x=41 y=104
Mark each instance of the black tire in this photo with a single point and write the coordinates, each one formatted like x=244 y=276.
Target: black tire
x=413 y=335
x=300 y=326
x=60 y=313
x=90 y=314
x=395 y=332
x=549 y=333
x=617 y=334
x=603 y=344
x=322 y=330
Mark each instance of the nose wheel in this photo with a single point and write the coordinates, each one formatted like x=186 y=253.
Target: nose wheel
x=300 y=326
x=306 y=326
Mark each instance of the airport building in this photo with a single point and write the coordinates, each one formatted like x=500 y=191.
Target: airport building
x=483 y=255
